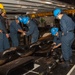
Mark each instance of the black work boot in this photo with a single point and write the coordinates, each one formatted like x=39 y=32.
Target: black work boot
x=71 y=61
x=1 y=54
x=66 y=64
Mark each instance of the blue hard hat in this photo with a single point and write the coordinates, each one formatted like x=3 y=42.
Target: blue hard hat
x=20 y=19
x=25 y=20
x=56 y=12
x=54 y=30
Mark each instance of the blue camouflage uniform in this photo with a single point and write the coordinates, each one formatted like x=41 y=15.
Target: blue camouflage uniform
x=4 y=42
x=14 y=33
x=57 y=39
x=33 y=31
x=67 y=28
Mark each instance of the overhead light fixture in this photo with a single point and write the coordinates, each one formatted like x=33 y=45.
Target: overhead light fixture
x=41 y=1
x=39 y=4
x=48 y=2
x=62 y=5
x=35 y=9
x=18 y=6
x=23 y=6
x=45 y=2
x=31 y=0
x=33 y=12
x=30 y=12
